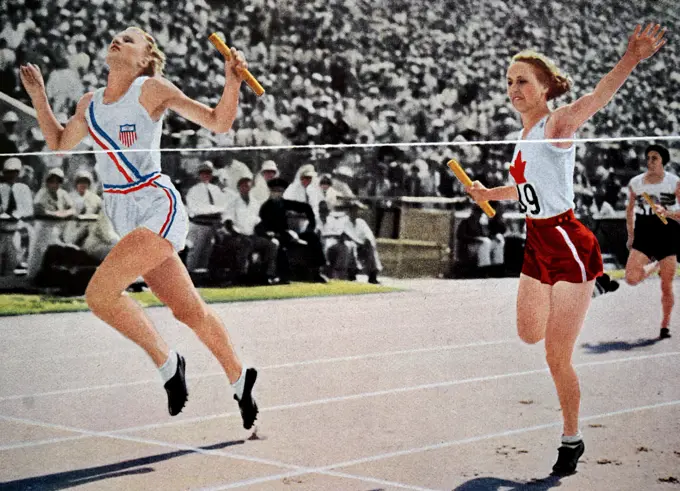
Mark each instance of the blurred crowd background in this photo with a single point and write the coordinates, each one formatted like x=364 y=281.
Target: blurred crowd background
x=345 y=71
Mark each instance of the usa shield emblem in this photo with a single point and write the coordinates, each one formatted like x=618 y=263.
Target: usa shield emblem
x=127 y=134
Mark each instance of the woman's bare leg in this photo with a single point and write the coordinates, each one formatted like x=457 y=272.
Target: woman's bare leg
x=533 y=309
x=639 y=267
x=667 y=266
x=171 y=283
x=137 y=253
x=570 y=302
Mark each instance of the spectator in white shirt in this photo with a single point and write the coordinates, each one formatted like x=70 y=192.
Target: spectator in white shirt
x=330 y=195
x=206 y=204
x=52 y=205
x=268 y=171
x=52 y=201
x=243 y=210
x=336 y=245
x=16 y=202
x=85 y=203
x=364 y=243
x=243 y=214
x=12 y=190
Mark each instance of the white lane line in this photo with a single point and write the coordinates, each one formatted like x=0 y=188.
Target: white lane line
x=518 y=431
x=328 y=469
x=296 y=470
x=37 y=443
x=362 y=395
x=329 y=400
x=256 y=480
x=380 y=482
x=148 y=441
x=276 y=477
x=69 y=356
x=220 y=373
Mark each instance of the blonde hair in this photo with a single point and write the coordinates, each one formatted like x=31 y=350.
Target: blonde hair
x=157 y=56
x=546 y=71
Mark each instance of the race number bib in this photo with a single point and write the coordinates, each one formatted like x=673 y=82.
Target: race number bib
x=528 y=199
x=665 y=199
x=644 y=206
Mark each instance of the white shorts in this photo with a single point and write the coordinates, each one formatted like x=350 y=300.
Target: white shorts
x=154 y=204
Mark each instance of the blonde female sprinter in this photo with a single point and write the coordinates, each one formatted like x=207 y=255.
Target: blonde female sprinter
x=143 y=205
x=561 y=257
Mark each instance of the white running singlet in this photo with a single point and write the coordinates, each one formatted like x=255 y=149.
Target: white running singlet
x=544 y=175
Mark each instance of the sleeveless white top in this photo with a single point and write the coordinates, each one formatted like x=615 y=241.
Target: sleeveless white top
x=544 y=175
x=662 y=193
x=119 y=126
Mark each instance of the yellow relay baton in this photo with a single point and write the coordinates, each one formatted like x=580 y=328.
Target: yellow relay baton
x=465 y=180
x=651 y=203
x=224 y=49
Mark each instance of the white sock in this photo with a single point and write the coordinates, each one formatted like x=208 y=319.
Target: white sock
x=650 y=267
x=169 y=368
x=570 y=440
x=239 y=385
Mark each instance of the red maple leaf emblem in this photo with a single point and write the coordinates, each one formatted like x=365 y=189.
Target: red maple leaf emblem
x=517 y=169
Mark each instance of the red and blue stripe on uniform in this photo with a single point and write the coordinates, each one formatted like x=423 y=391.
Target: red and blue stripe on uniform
x=112 y=149
x=128 y=170
x=170 y=218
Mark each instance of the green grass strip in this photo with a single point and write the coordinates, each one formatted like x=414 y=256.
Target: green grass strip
x=619 y=274
x=11 y=304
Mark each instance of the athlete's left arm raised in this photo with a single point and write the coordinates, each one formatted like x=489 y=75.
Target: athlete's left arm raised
x=641 y=45
x=159 y=94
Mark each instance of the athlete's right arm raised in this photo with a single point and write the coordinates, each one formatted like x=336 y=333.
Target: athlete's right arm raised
x=58 y=137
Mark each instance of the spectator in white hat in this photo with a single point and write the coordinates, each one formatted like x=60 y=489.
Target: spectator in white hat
x=268 y=171
x=305 y=188
x=16 y=202
x=342 y=174
x=330 y=195
x=8 y=143
x=52 y=205
x=16 y=198
x=52 y=200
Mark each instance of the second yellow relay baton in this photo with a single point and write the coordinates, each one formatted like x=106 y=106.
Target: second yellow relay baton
x=467 y=182
x=651 y=203
x=224 y=49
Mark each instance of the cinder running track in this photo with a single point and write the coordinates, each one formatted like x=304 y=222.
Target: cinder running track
x=428 y=388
